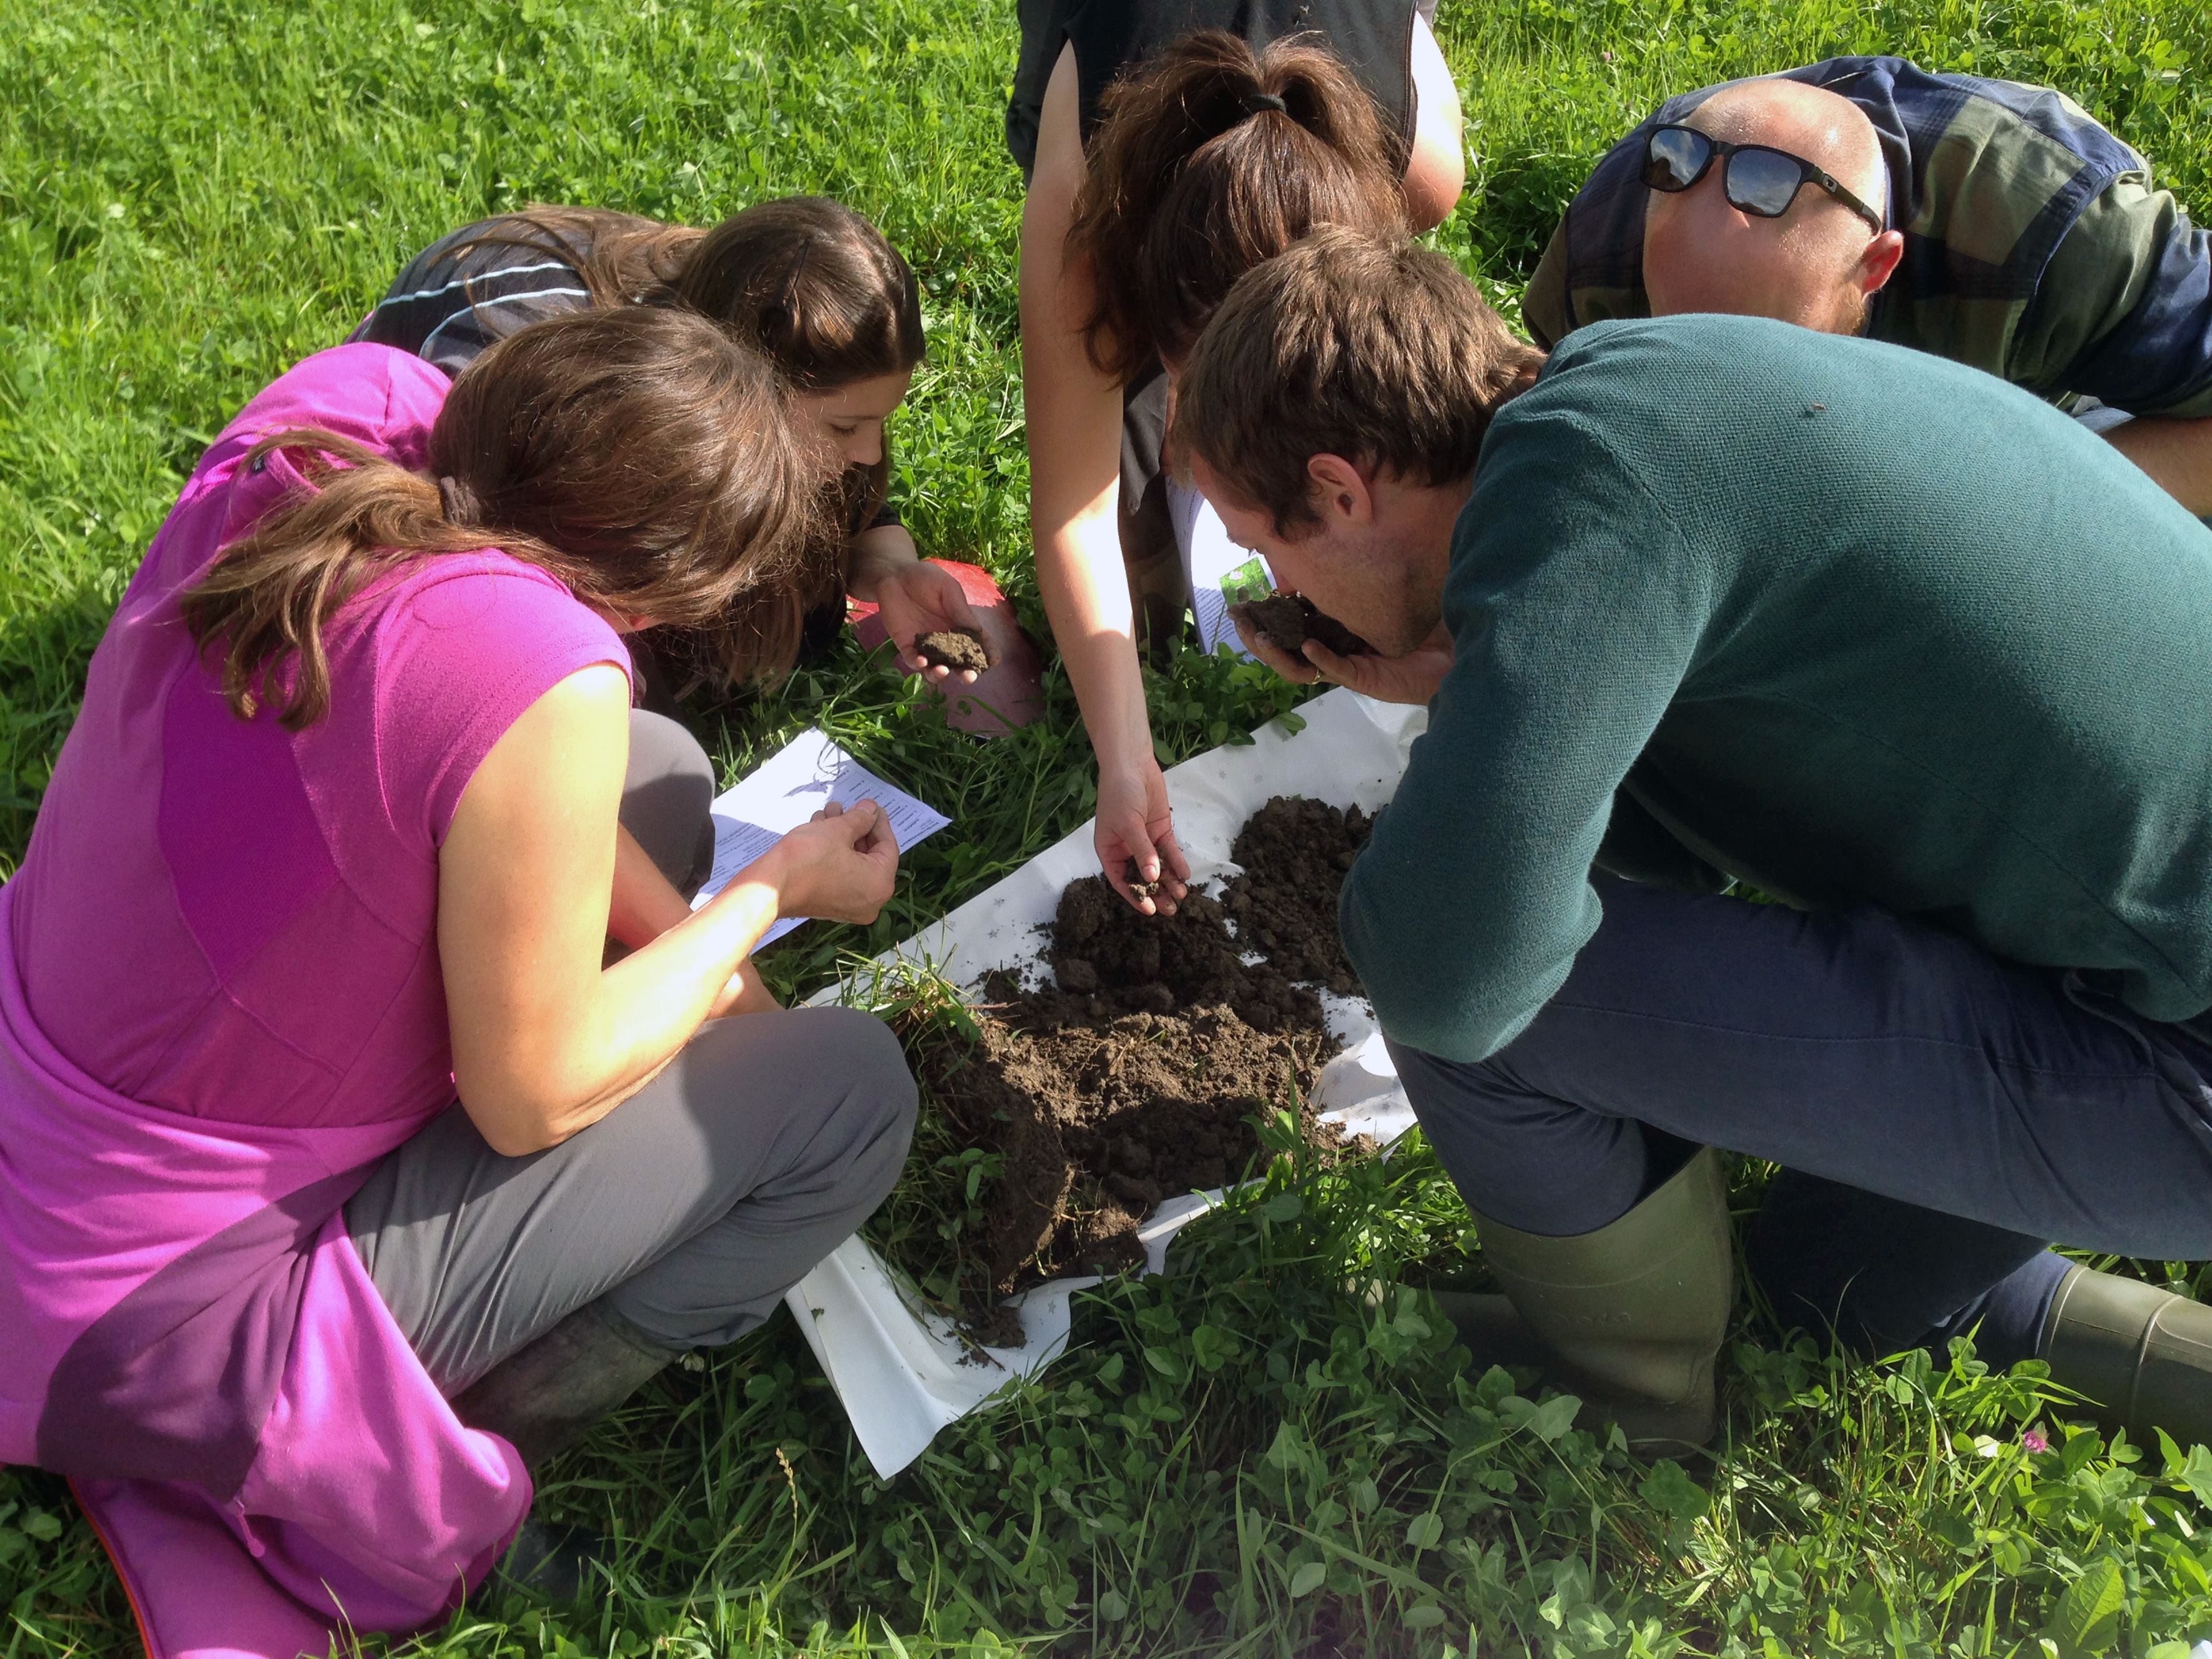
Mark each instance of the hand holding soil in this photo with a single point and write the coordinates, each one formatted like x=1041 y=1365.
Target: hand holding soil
x=1133 y=828
x=919 y=598
x=1411 y=679
x=1287 y=621
x=961 y=650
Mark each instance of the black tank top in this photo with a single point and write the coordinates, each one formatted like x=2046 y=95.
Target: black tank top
x=1374 y=38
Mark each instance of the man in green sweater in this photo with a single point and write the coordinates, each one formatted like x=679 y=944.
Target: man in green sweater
x=1730 y=601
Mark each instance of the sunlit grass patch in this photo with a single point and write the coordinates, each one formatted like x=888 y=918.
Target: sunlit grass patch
x=1273 y=1450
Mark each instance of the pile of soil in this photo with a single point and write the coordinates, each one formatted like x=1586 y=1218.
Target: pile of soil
x=1287 y=621
x=955 y=648
x=1130 y=1077
x=1295 y=852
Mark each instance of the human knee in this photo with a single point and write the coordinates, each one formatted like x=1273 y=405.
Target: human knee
x=876 y=1071
x=661 y=747
x=668 y=792
x=1453 y=1092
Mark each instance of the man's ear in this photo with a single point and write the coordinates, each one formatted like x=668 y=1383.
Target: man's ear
x=1879 y=262
x=1340 y=489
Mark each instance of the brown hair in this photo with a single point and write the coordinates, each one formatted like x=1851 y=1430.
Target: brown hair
x=816 y=286
x=1195 y=176
x=813 y=284
x=623 y=259
x=1351 y=345
x=640 y=455
x=804 y=278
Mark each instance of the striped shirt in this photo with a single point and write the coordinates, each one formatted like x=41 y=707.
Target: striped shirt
x=486 y=280
x=2036 y=246
x=461 y=294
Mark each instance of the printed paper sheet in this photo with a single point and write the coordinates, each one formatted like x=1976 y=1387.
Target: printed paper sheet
x=789 y=788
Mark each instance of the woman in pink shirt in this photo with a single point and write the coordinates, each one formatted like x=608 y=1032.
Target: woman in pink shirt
x=343 y=1183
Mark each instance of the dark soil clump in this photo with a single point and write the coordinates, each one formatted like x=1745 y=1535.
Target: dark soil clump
x=1133 y=1075
x=1287 y=621
x=1128 y=1080
x=955 y=648
x=1295 y=853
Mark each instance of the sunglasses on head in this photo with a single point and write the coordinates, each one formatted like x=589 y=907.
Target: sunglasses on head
x=1757 y=178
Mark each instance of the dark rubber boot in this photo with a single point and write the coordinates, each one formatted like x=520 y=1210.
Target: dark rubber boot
x=2142 y=1357
x=552 y=1561
x=1635 y=1311
x=545 y=1399
x=1491 y=1329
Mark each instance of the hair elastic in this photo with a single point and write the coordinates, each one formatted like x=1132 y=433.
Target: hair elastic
x=1256 y=101
x=458 y=500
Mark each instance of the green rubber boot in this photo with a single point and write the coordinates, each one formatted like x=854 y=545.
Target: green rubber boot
x=1634 y=1313
x=2142 y=1357
x=1490 y=1329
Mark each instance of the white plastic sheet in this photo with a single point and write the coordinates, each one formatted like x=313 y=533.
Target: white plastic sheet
x=900 y=1369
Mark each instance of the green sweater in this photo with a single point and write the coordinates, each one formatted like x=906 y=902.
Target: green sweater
x=1845 y=621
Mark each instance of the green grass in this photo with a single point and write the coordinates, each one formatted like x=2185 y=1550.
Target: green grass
x=1272 y=1451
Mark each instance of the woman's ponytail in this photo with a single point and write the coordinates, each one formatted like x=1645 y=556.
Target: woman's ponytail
x=1210 y=159
x=270 y=596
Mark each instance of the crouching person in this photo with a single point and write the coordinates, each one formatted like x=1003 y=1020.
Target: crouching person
x=343 y=1184
x=1708 y=619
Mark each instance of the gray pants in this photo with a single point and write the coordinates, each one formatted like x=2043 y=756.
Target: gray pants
x=691 y=1208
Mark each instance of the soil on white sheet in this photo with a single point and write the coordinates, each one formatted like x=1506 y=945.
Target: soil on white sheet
x=1129 y=1069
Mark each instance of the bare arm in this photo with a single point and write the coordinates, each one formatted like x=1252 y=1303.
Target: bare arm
x=1074 y=418
x=545 y=1041
x=644 y=906
x=2177 y=453
x=1436 y=171
x=916 y=596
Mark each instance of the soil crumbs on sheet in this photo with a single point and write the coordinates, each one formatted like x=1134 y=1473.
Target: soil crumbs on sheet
x=1131 y=1077
x=1295 y=853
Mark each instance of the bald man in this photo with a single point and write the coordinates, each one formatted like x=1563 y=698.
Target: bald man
x=1818 y=263
x=2001 y=227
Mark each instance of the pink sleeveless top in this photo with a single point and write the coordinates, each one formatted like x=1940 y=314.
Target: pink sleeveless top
x=220 y=1003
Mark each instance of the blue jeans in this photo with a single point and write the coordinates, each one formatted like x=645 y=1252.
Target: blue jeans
x=1940 y=1115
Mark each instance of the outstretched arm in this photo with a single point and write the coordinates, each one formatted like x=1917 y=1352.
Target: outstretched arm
x=1436 y=172
x=1074 y=418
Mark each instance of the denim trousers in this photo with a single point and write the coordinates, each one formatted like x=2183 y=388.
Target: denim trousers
x=1940 y=1116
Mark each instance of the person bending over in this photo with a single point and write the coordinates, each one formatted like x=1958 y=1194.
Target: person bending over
x=345 y=1185
x=1169 y=146
x=818 y=288
x=1992 y=223
x=1712 y=624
